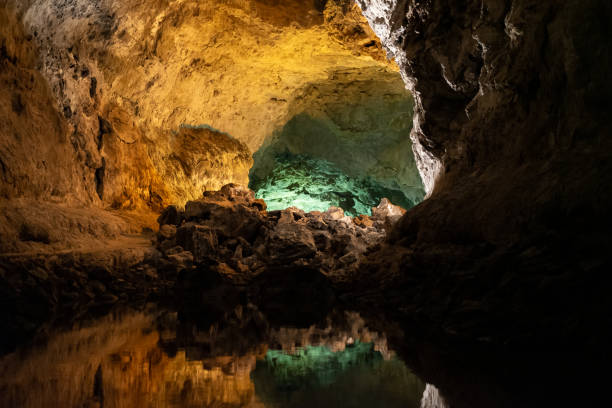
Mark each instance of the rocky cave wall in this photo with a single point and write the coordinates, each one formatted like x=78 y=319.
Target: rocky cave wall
x=512 y=137
x=359 y=121
x=106 y=100
x=128 y=75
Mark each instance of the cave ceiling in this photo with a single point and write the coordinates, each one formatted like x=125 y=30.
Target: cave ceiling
x=133 y=80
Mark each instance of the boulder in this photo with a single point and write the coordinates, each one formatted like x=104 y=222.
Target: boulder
x=167 y=231
x=171 y=215
x=230 y=230
x=385 y=214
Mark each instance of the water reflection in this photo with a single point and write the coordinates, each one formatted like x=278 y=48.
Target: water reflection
x=152 y=359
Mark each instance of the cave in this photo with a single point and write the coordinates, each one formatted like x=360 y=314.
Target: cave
x=345 y=146
x=292 y=203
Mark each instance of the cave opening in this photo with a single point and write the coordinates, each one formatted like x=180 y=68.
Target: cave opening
x=348 y=146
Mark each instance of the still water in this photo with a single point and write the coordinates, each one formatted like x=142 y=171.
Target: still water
x=152 y=359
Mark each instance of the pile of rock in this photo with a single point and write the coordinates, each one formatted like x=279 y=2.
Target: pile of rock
x=231 y=232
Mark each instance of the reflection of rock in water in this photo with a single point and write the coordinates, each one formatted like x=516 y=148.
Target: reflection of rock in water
x=151 y=359
x=432 y=398
x=315 y=376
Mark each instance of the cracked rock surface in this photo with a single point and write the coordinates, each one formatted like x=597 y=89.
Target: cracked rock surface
x=229 y=231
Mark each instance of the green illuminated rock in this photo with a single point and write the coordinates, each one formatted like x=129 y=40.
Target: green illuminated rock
x=357 y=376
x=316 y=184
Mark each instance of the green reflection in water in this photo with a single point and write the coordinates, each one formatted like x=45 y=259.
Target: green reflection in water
x=314 y=184
x=315 y=376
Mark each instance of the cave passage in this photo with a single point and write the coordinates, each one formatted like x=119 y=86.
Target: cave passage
x=348 y=148
x=315 y=184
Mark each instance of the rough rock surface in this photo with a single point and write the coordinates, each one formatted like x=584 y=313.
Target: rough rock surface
x=115 y=104
x=123 y=77
x=38 y=288
x=363 y=130
x=511 y=133
x=230 y=232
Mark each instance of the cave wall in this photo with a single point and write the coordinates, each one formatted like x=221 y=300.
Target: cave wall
x=34 y=136
x=518 y=68
x=127 y=76
x=511 y=137
x=360 y=121
x=107 y=98
x=509 y=255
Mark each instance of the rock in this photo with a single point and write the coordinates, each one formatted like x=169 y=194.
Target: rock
x=334 y=213
x=385 y=210
x=100 y=273
x=385 y=214
x=39 y=273
x=225 y=228
x=363 y=221
x=259 y=204
x=171 y=216
x=205 y=243
x=108 y=299
x=199 y=209
x=167 y=231
x=34 y=232
x=322 y=240
x=167 y=245
x=236 y=192
x=97 y=286
x=229 y=211
x=182 y=260
x=177 y=249
x=290 y=240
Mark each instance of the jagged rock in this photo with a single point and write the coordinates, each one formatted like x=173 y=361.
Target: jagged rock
x=334 y=213
x=171 y=216
x=205 y=243
x=231 y=211
x=363 y=221
x=291 y=238
x=229 y=230
x=167 y=231
x=182 y=260
x=386 y=214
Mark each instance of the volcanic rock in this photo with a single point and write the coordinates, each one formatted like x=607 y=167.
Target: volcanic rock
x=228 y=231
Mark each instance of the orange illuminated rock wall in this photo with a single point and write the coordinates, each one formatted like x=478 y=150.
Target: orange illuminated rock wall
x=104 y=97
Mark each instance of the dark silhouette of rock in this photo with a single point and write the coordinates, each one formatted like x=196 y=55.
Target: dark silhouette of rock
x=229 y=229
